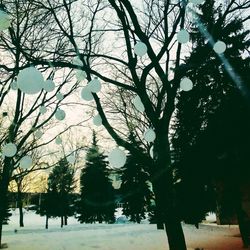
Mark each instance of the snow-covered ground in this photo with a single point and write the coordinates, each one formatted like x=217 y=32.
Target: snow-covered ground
x=125 y=236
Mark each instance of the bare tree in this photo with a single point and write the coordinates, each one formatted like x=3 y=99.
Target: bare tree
x=103 y=36
x=25 y=120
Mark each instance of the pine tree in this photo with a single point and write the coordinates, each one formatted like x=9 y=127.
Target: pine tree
x=57 y=199
x=211 y=119
x=135 y=189
x=97 y=193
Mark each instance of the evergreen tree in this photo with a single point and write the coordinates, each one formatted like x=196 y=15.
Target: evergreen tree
x=211 y=135
x=135 y=189
x=97 y=201
x=58 y=200
x=49 y=205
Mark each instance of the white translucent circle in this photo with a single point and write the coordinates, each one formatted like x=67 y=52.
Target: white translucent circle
x=94 y=85
x=152 y=202
x=30 y=81
x=80 y=75
x=58 y=140
x=71 y=159
x=43 y=110
x=149 y=135
x=97 y=120
x=183 y=36
x=151 y=152
x=60 y=114
x=77 y=61
x=186 y=84
x=140 y=49
x=138 y=104
x=38 y=134
x=117 y=158
x=86 y=94
x=49 y=85
x=196 y=1
x=5 y=20
x=9 y=149
x=219 y=47
x=25 y=162
x=13 y=85
x=59 y=96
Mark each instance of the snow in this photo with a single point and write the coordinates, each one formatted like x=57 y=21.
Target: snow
x=130 y=236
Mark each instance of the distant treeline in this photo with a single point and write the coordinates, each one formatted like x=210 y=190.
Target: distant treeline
x=35 y=199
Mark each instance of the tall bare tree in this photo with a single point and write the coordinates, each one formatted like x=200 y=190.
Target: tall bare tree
x=24 y=119
x=104 y=36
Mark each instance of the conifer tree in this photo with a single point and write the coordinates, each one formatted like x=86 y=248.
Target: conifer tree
x=135 y=189
x=97 y=193
x=212 y=118
x=57 y=200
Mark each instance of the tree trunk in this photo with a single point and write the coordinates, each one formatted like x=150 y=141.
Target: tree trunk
x=4 y=182
x=166 y=211
x=243 y=227
x=47 y=222
x=242 y=219
x=1 y=229
x=167 y=216
x=20 y=204
x=65 y=220
x=21 y=224
x=236 y=197
x=160 y=226
x=40 y=201
x=174 y=231
x=61 y=221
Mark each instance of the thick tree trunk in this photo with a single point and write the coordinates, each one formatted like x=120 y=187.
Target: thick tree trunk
x=242 y=219
x=241 y=214
x=244 y=231
x=166 y=211
x=4 y=182
x=160 y=226
x=1 y=230
x=167 y=216
x=174 y=231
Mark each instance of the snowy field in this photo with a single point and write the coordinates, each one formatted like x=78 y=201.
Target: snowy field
x=125 y=236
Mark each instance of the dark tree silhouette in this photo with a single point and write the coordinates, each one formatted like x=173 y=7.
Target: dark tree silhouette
x=57 y=202
x=155 y=24
x=135 y=188
x=97 y=193
x=211 y=134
